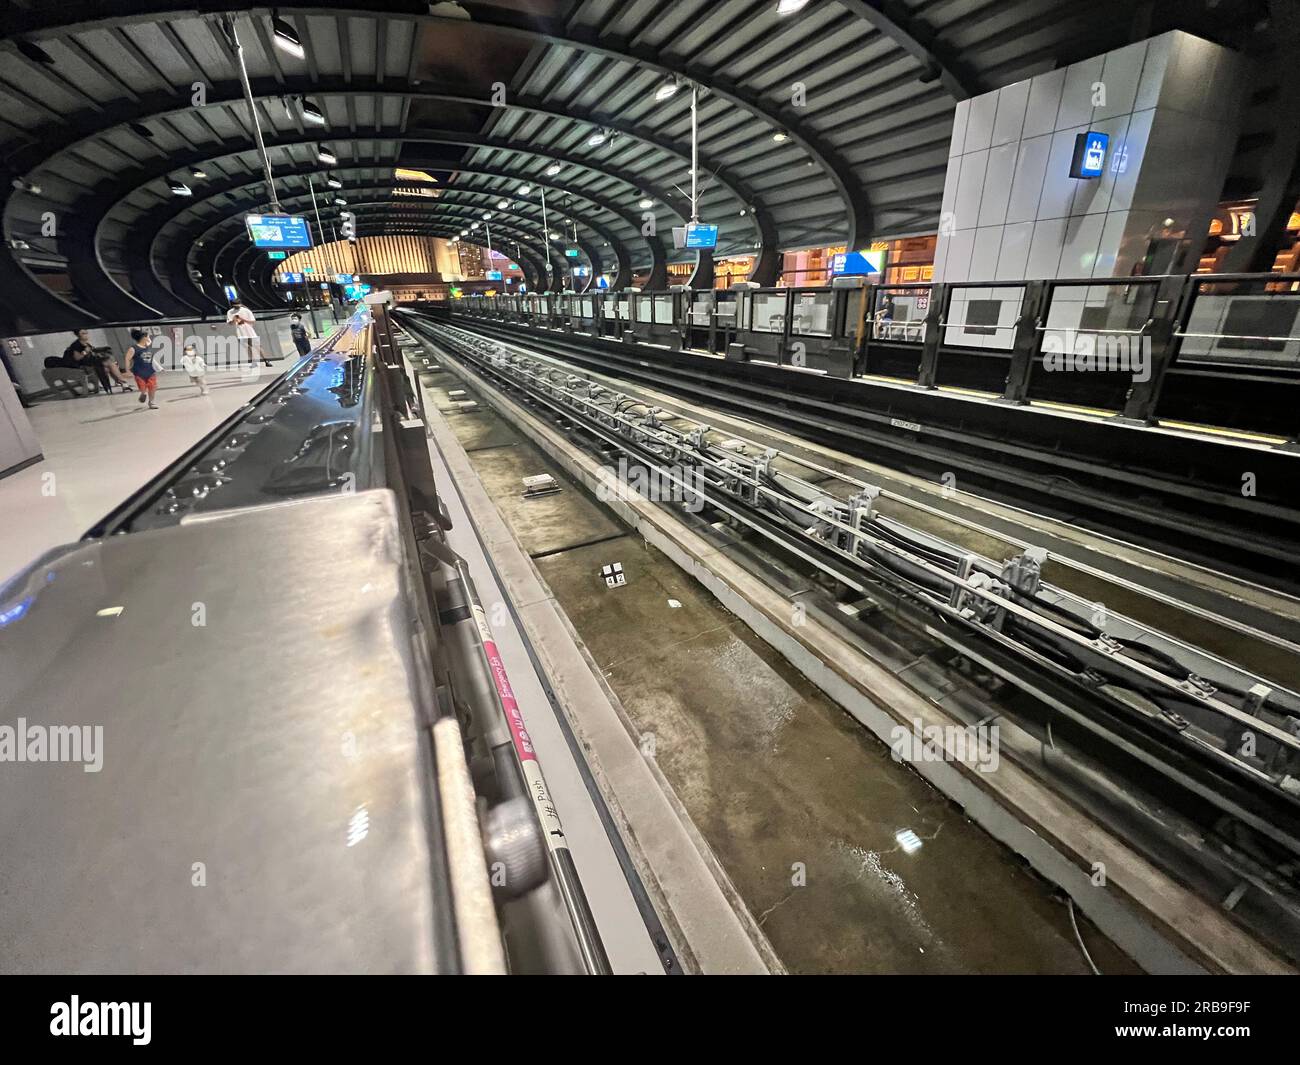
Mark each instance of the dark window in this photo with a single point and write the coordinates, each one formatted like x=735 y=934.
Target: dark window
x=982 y=317
x=1259 y=318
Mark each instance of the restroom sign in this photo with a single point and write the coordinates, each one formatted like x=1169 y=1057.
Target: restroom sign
x=1089 y=155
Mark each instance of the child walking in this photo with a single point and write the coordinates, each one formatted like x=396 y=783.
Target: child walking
x=140 y=363
x=196 y=367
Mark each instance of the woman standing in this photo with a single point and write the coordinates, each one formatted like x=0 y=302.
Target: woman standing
x=140 y=362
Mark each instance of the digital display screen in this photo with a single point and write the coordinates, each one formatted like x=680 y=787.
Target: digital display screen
x=278 y=231
x=859 y=262
x=276 y=254
x=701 y=236
x=572 y=253
x=1090 y=155
x=494 y=275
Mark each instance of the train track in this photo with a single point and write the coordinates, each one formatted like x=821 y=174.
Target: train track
x=1196 y=504
x=1223 y=737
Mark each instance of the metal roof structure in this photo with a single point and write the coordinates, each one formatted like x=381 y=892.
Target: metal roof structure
x=826 y=125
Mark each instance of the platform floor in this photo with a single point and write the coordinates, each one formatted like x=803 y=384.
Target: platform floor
x=803 y=809
x=101 y=448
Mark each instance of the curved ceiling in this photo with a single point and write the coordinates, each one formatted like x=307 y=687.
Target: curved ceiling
x=826 y=125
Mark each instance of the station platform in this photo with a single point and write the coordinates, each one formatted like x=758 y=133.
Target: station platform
x=99 y=449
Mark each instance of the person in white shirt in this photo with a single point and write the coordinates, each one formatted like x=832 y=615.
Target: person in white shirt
x=197 y=367
x=242 y=318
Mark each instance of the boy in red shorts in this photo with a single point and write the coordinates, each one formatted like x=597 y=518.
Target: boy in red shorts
x=140 y=362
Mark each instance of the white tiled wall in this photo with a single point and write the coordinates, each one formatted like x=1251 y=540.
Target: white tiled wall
x=1012 y=212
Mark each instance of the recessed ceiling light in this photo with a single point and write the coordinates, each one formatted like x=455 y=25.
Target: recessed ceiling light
x=311 y=112
x=286 y=38
x=326 y=154
x=502 y=204
x=553 y=169
x=596 y=139
x=180 y=188
x=646 y=204
x=333 y=183
x=666 y=91
x=789 y=7
x=525 y=190
x=197 y=172
x=780 y=136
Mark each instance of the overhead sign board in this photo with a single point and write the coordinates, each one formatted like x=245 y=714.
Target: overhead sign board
x=278 y=231
x=276 y=254
x=698 y=235
x=1089 y=155
x=859 y=262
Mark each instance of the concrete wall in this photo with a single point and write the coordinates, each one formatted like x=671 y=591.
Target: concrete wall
x=1011 y=211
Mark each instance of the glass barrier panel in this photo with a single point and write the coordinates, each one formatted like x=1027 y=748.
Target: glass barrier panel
x=811 y=315
x=983 y=317
x=663 y=310
x=1251 y=322
x=1089 y=318
x=767 y=312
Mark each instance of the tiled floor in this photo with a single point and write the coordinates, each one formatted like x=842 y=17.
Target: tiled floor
x=100 y=449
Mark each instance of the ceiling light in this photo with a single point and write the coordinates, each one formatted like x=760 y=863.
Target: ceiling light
x=474 y=226
x=464 y=232
x=339 y=201
x=596 y=139
x=554 y=236
x=525 y=190
x=789 y=7
x=646 y=204
x=333 y=183
x=487 y=214
x=286 y=38
x=666 y=91
x=743 y=212
x=311 y=112
x=180 y=188
x=26 y=186
x=552 y=170
x=19 y=245
x=502 y=204
x=326 y=154
x=198 y=172
x=780 y=136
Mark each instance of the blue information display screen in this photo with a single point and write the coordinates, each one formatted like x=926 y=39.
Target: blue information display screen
x=701 y=236
x=1089 y=154
x=278 y=231
x=858 y=262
